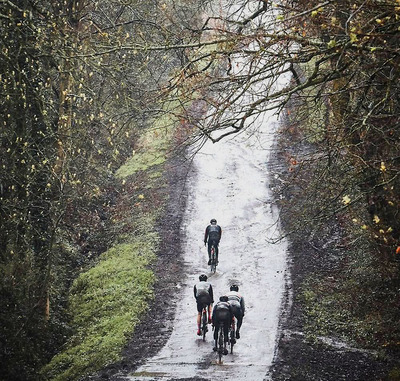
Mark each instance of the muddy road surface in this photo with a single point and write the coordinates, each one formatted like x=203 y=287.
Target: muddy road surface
x=230 y=183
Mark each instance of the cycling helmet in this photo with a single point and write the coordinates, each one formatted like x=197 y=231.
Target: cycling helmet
x=234 y=287
x=223 y=298
x=213 y=221
x=203 y=277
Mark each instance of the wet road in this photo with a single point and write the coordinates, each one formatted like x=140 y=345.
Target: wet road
x=231 y=185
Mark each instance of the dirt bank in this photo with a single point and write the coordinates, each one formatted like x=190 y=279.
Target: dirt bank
x=153 y=332
x=299 y=357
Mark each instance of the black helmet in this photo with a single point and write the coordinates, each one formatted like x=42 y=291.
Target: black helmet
x=213 y=221
x=203 y=277
x=223 y=298
x=234 y=287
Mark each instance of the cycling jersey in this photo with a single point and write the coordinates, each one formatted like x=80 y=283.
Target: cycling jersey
x=222 y=313
x=236 y=299
x=213 y=233
x=202 y=288
x=203 y=292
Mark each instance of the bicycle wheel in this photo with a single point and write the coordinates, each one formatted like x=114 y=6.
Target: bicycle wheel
x=213 y=259
x=204 y=323
x=220 y=343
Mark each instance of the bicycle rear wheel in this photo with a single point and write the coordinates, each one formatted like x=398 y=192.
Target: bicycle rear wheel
x=220 y=343
x=204 y=323
x=213 y=258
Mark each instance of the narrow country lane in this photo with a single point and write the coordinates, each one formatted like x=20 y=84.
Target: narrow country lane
x=229 y=183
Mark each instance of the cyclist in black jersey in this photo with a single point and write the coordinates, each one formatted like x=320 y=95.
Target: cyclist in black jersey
x=222 y=315
x=213 y=235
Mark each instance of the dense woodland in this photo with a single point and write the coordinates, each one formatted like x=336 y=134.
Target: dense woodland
x=87 y=85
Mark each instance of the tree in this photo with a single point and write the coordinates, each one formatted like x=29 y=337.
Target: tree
x=342 y=56
x=73 y=102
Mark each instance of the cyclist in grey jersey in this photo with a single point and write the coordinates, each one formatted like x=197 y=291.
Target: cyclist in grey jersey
x=238 y=307
x=203 y=293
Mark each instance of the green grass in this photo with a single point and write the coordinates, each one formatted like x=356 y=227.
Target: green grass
x=154 y=145
x=106 y=303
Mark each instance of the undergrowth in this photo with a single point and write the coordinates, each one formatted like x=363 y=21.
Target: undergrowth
x=106 y=303
x=350 y=290
x=107 y=300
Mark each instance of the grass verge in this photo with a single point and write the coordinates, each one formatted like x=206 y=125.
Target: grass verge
x=106 y=301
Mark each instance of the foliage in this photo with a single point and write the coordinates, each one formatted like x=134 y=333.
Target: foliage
x=106 y=303
x=355 y=305
x=350 y=287
x=78 y=87
x=154 y=147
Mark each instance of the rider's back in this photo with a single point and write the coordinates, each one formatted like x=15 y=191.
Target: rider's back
x=214 y=232
x=222 y=312
x=235 y=298
x=202 y=288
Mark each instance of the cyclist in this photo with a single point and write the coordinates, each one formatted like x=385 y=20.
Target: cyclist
x=222 y=314
x=237 y=303
x=213 y=234
x=203 y=292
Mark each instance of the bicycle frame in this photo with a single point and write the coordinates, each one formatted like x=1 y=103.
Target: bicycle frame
x=213 y=258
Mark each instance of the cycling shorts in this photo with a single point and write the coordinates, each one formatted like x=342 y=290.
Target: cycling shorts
x=222 y=315
x=203 y=300
x=236 y=309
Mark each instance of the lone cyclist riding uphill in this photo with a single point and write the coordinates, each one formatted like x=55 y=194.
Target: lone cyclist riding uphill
x=213 y=235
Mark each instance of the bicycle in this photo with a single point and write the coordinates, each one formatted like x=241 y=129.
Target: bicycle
x=204 y=321
x=213 y=257
x=221 y=343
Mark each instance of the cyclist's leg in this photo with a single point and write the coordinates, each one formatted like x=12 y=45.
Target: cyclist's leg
x=227 y=325
x=239 y=324
x=232 y=330
x=209 y=251
x=216 y=243
x=209 y=313
x=215 y=335
x=199 y=310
